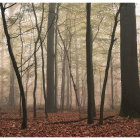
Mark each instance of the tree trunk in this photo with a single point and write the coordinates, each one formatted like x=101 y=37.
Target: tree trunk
x=27 y=78
x=90 y=82
x=71 y=76
x=112 y=88
x=43 y=78
x=56 y=73
x=68 y=85
x=12 y=75
x=50 y=60
x=107 y=66
x=2 y=69
x=83 y=90
x=77 y=73
x=70 y=94
x=100 y=82
x=24 y=122
x=130 y=101
x=21 y=57
x=63 y=82
x=39 y=31
x=11 y=102
x=35 y=80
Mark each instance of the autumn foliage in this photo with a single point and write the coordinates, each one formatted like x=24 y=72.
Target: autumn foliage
x=41 y=127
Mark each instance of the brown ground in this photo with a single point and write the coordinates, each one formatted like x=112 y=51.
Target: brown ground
x=41 y=127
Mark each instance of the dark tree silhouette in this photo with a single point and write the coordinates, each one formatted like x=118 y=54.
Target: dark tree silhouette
x=24 y=122
x=107 y=65
x=130 y=101
x=39 y=38
x=90 y=82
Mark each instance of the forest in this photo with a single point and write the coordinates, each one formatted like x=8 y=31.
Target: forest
x=71 y=70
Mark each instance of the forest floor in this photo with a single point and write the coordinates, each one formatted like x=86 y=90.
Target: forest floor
x=10 y=125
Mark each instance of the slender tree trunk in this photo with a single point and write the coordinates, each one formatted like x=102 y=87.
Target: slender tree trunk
x=24 y=122
x=35 y=80
x=112 y=89
x=41 y=92
x=107 y=66
x=21 y=57
x=12 y=84
x=100 y=83
x=70 y=94
x=2 y=67
x=77 y=73
x=43 y=78
x=83 y=92
x=71 y=76
x=27 y=78
x=68 y=84
x=63 y=82
x=69 y=65
x=12 y=74
x=26 y=86
x=56 y=75
x=39 y=30
x=85 y=96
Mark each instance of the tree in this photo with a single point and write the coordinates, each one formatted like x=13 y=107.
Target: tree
x=2 y=64
x=130 y=101
x=11 y=101
x=35 y=62
x=42 y=56
x=50 y=59
x=112 y=88
x=107 y=65
x=24 y=122
x=39 y=38
x=21 y=60
x=63 y=81
x=90 y=81
x=77 y=72
x=56 y=57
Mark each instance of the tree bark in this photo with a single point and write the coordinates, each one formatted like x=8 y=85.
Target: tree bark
x=130 y=101
x=90 y=81
x=50 y=60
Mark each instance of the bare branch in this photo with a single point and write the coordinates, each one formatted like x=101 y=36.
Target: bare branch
x=40 y=45
x=10 y=6
x=97 y=30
